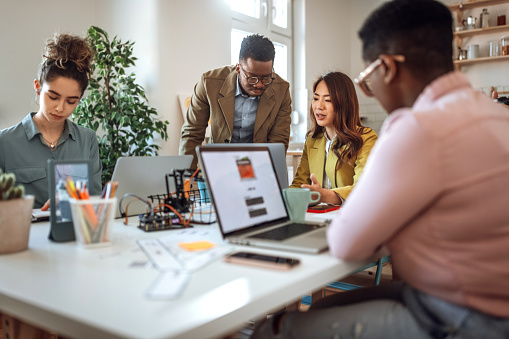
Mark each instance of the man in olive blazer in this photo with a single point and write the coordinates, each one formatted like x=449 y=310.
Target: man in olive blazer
x=247 y=102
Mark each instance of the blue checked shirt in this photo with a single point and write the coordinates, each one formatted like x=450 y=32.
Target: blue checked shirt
x=245 y=115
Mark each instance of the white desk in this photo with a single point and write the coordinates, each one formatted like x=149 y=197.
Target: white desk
x=95 y=293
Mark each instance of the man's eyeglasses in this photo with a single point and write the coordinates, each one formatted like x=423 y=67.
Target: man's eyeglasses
x=363 y=79
x=254 y=80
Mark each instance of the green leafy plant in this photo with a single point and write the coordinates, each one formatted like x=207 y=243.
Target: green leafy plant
x=7 y=189
x=117 y=105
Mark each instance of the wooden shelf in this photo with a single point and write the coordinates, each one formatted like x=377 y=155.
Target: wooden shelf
x=474 y=4
x=468 y=62
x=460 y=35
x=480 y=31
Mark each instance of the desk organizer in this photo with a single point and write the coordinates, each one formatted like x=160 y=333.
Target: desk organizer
x=190 y=203
x=93 y=220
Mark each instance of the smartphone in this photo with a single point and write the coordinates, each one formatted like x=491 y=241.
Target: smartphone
x=322 y=208
x=261 y=260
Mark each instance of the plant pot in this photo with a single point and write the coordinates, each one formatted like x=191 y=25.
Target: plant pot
x=15 y=221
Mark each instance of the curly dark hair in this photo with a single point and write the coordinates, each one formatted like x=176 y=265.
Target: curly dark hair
x=66 y=56
x=347 y=122
x=257 y=47
x=419 y=29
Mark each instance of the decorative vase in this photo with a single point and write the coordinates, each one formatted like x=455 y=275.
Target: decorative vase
x=15 y=221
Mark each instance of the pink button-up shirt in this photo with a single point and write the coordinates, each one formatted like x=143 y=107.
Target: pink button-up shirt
x=435 y=192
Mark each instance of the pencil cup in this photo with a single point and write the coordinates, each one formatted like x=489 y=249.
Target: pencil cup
x=297 y=201
x=93 y=221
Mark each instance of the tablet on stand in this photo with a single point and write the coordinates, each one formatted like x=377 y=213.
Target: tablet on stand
x=59 y=171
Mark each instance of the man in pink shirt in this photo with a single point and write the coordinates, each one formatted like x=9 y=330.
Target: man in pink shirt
x=434 y=192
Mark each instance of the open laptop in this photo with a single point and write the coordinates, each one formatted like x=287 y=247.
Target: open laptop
x=249 y=204
x=277 y=153
x=145 y=176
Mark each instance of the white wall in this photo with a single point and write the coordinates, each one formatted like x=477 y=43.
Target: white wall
x=25 y=26
x=194 y=37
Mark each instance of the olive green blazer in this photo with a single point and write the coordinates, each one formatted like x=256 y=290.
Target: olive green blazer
x=313 y=160
x=214 y=99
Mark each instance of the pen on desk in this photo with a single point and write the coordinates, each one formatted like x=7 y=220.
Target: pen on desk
x=108 y=190
x=103 y=193
x=114 y=186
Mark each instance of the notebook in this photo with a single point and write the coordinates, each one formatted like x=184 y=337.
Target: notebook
x=145 y=176
x=249 y=204
x=277 y=153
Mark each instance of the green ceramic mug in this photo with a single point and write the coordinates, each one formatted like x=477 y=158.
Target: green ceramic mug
x=297 y=201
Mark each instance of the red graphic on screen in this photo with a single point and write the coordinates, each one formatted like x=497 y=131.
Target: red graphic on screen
x=245 y=168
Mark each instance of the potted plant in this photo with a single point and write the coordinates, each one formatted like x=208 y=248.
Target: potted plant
x=117 y=104
x=15 y=215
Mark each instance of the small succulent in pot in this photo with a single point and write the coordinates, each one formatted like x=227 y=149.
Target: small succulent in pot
x=7 y=189
x=15 y=214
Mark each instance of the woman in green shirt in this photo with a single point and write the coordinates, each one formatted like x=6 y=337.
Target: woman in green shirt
x=48 y=133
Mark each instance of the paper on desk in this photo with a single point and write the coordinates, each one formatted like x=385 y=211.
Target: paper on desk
x=193 y=234
x=38 y=215
x=169 y=285
x=162 y=259
x=167 y=255
x=177 y=264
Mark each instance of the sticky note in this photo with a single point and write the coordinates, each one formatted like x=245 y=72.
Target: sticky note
x=196 y=245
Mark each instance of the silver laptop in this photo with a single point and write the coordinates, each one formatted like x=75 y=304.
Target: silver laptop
x=145 y=176
x=277 y=153
x=249 y=204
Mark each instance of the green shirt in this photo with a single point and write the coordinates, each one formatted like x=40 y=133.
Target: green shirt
x=24 y=153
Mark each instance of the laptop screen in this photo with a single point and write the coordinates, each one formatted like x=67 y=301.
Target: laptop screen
x=145 y=176
x=243 y=185
x=277 y=153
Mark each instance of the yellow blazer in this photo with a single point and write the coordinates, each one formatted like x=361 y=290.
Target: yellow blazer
x=214 y=99
x=313 y=159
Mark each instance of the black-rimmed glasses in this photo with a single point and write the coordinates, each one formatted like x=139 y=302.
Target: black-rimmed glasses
x=267 y=80
x=363 y=79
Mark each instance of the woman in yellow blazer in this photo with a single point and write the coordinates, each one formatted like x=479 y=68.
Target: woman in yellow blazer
x=337 y=145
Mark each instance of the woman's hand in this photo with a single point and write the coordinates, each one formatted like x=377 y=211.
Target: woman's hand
x=45 y=207
x=326 y=196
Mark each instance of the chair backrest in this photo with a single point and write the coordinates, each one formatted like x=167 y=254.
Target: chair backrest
x=307 y=299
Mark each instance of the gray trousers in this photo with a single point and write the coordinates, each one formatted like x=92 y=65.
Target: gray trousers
x=388 y=311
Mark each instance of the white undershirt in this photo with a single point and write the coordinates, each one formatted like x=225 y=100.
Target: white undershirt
x=326 y=182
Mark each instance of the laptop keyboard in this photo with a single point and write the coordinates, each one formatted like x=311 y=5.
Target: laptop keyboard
x=285 y=232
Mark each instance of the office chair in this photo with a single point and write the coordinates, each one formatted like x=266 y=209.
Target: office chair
x=307 y=299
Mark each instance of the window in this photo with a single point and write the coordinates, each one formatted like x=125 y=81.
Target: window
x=250 y=8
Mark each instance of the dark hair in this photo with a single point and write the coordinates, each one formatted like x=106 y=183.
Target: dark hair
x=419 y=29
x=257 y=47
x=347 y=123
x=66 y=56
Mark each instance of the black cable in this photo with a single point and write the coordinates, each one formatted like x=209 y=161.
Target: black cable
x=149 y=204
